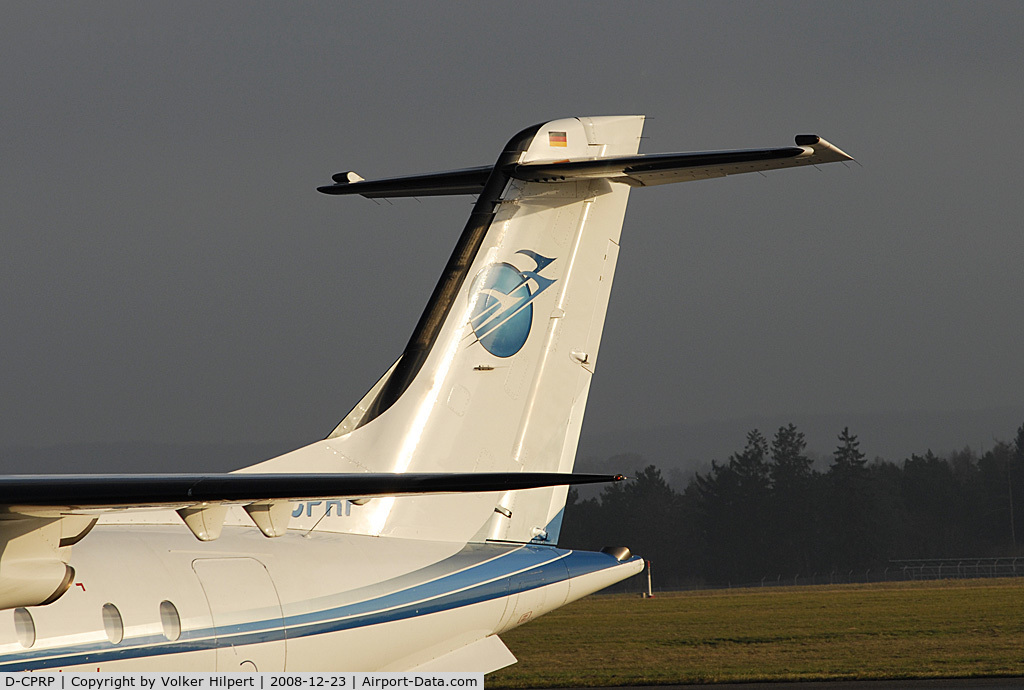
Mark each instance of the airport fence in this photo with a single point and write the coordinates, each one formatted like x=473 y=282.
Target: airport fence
x=895 y=570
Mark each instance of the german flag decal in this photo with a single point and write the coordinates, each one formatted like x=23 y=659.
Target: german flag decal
x=557 y=139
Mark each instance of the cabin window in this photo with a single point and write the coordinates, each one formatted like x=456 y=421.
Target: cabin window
x=112 y=623
x=170 y=620
x=24 y=627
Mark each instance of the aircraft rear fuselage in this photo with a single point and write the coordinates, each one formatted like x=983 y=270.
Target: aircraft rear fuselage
x=150 y=597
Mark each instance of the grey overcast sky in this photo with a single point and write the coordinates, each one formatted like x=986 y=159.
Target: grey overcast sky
x=169 y=273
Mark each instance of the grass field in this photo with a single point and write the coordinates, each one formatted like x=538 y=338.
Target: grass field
x=946 y=628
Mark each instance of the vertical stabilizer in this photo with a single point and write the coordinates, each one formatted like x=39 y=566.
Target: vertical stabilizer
x=497 y=372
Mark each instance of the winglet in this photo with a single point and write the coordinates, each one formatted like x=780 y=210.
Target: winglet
x=347 y=177
x=820 y=150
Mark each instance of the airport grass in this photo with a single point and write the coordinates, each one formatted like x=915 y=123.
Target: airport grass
x=944 y=629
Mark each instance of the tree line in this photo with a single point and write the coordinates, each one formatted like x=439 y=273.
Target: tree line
x=766 y=512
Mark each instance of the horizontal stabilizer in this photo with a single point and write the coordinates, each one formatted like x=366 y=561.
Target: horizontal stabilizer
x=663 y=168
x=641 y=170
x=465 y=181
x=91 y=491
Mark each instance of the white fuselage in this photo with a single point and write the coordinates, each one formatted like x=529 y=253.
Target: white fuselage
x=304 y=601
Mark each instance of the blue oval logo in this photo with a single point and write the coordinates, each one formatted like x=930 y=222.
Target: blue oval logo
x=503 y=313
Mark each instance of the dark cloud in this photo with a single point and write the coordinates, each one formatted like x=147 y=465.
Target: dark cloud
x=169 y=273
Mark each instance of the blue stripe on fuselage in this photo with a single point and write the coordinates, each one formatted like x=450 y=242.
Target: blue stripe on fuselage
x=503 y=572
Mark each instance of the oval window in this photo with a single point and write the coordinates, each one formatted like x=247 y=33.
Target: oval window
x=112 y=623
x=25 y=627
x=170 y=620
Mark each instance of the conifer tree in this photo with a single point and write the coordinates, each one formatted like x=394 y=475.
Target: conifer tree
x=852 y=536
x=789 y=464
x=792 y=530
x=848 y=457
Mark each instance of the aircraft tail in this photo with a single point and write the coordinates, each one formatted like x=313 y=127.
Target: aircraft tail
x=496 y=374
